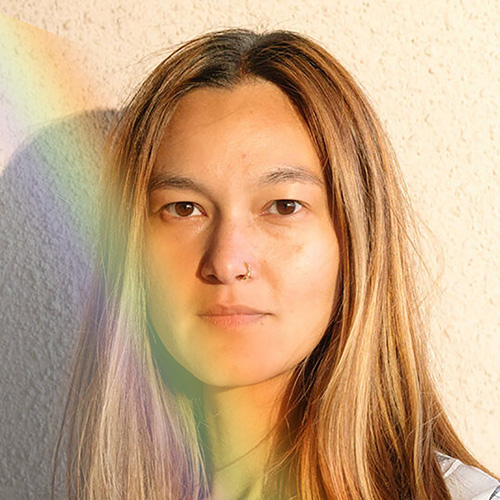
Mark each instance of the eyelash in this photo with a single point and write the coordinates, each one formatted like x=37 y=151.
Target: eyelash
x=173 y=204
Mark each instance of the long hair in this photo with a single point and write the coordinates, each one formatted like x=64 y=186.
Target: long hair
x=361 y=418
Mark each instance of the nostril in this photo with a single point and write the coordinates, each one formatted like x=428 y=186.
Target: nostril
x=225 y=272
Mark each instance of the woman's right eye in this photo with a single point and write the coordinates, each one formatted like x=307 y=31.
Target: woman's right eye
x=182 y=209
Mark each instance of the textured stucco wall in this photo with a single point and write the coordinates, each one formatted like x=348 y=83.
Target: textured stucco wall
x=432 y=69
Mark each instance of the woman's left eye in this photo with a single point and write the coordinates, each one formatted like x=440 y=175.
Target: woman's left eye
x=285 y=207
x=182 y=209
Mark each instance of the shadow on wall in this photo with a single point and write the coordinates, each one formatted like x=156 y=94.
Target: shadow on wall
x=48 y=224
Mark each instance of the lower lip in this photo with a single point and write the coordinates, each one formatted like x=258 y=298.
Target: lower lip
x=233 y=320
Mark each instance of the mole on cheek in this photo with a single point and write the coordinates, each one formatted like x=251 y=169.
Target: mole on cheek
x=298 y=249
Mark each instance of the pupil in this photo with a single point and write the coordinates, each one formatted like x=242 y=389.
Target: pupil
x=184 y=208
x=287 y=205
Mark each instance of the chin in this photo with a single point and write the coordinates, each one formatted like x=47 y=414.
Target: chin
x=233 y=377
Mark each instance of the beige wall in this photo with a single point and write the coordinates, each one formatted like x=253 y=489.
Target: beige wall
x=432 y=69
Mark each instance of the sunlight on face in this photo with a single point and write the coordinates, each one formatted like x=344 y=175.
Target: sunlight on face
x=237 y=185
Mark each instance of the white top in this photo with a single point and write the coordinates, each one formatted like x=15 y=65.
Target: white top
x=466 y=482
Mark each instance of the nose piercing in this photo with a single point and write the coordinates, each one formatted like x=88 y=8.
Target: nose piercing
x=249 y=270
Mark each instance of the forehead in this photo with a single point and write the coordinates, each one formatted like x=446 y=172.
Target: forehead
x=254 y=122
x=207 y=106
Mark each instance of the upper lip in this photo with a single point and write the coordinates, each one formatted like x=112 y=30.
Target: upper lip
x=230 y=310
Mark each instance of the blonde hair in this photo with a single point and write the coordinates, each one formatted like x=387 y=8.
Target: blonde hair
x=361 y=418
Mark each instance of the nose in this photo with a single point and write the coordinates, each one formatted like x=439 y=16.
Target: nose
x=228 y=257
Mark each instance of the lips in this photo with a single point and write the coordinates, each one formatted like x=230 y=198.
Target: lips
x=230 y=316
x=230 y=310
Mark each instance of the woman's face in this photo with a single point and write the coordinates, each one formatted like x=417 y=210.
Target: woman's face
x=237 y=186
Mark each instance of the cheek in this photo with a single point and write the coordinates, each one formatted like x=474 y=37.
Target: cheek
x=169 y=263
x=169 y=276
x=309 y=281
x=313 y=266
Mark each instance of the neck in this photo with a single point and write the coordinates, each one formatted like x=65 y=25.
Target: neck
x=240 y=423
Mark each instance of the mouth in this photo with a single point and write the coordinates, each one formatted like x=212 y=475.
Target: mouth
x=230 y=309
x=232 y=320
x=230 y=316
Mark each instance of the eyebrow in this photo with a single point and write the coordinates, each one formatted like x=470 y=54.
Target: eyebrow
x=163 y=180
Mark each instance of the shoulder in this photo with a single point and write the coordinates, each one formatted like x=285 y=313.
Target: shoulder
x=466 y=482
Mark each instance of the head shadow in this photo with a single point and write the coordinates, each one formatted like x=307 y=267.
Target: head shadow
x=48 y=226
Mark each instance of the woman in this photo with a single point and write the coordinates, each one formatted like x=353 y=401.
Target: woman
x=254 y=330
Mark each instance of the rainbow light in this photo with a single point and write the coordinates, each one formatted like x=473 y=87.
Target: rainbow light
x=51 y=136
